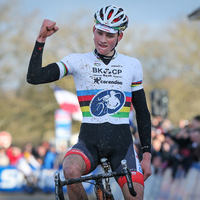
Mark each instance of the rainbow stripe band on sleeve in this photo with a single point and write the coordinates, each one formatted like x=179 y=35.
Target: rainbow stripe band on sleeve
x=65 y=68
x=134 y=84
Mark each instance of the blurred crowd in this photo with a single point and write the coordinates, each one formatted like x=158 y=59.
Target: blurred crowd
x=173 y=147
x=31 y=160
x=43 y=156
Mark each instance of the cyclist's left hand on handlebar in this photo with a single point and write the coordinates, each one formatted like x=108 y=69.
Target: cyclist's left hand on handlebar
x=146 y=165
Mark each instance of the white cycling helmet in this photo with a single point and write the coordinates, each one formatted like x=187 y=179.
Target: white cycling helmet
x=111 y=19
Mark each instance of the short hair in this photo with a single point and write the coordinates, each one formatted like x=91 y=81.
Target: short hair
x=197 y=118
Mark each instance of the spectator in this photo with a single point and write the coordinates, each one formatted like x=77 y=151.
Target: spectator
x=157 y=139
x=179 y=148
x=168 y=149
x=195 y=124
x=26 y=169
x=183 y=157
x=40 y=154
x=30 y=157
x=28 y=147
x=166 y=126
x=183 y=123
x=14 y=153
x=156 y=155
x=4 y=160
x=195 y=138
x=60 y=155
x=50 y=158
x=46 y=145
x=156 y=121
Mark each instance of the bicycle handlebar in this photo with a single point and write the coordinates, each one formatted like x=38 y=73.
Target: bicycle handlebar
x=59 y=184
x=92 y=177
x=128 y=178
x=58 y=187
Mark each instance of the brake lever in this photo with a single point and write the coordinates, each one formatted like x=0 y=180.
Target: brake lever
x=58 y=188
x=128 y=178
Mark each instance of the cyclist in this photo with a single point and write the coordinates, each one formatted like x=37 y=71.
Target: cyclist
x=106 y=83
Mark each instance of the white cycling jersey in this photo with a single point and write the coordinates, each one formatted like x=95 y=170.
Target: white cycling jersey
x=104 y=91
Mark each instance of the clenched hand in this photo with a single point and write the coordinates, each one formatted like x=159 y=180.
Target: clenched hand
x=48 y=28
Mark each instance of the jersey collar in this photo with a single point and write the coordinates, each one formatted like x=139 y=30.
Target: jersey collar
x=105 y=59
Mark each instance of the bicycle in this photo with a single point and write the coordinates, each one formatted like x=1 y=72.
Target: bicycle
x=102 y=191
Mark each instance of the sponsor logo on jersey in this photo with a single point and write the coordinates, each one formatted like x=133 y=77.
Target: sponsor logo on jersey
x=133 y=173
x=98 y=80
x=140 y=169
x=97 y=64
x=106 y=71
x=107 y=102
x=116 y=65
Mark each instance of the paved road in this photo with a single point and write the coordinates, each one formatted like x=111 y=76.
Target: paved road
x=18 y=196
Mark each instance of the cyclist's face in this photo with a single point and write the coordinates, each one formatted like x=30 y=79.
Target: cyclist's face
x=105 y=42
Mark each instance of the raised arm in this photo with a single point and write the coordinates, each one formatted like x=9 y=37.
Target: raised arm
x=144 y=129
x=36 y=73
x=48 y=28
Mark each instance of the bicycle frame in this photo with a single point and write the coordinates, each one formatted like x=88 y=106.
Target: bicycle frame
x=105 y=164
x=101 y=192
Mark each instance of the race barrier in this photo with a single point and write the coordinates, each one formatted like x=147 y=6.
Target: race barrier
x=159 y=186
x=13 y=180
x=183 y=187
